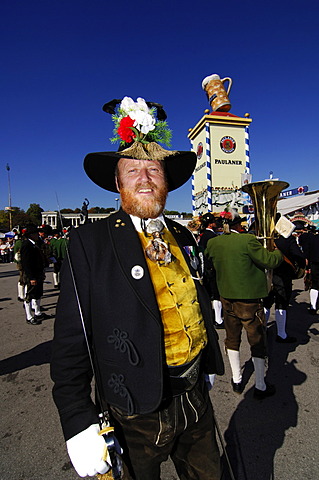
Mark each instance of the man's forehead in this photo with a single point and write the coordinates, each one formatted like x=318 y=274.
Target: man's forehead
x=133 y=161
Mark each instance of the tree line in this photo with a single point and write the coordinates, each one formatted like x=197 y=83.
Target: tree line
x=20 y=217
x=33 y=215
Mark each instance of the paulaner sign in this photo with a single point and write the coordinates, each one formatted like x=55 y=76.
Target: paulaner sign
x=228 y=162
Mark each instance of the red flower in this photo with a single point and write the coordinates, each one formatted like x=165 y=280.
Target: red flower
x=124 y=130
x=226 y=215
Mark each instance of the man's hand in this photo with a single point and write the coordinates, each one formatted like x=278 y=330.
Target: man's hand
x=87 y=450
x=33 y=282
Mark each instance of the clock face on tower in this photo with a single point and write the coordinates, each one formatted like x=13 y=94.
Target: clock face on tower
x=228 y=144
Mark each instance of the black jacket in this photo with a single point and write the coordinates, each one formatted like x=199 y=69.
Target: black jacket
x=210 y=281
x=32 y=260
x=290 y=249
x=123 y=323
x=310 y=246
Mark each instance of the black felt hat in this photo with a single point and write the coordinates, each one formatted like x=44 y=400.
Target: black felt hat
x=300 y=225
x=237 y=219
x=100 y=168
x=207 y=218
x=30 y=229
x=179 y=165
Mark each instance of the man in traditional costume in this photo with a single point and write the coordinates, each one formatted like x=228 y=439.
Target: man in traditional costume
x=208 y=225
x=281 y=289
x=240 y=261
x=32 y=265
x=310 y=246
x=135 y=280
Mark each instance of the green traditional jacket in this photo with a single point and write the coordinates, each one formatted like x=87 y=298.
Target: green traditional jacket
x=58 y=247
x=240 y=262
x=16 y=250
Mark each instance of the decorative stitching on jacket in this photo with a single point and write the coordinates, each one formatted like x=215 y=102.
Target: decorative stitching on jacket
x=116 y=383
x=121 y=342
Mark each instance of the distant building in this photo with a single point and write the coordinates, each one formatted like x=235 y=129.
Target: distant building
x=69 y=219
x=74 y=219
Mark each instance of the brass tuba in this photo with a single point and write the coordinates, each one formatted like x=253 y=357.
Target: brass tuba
x=264 y=196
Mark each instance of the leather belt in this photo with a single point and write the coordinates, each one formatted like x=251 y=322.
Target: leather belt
x=183 y=378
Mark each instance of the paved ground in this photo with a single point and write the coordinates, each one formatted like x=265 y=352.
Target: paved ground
x=276 y=438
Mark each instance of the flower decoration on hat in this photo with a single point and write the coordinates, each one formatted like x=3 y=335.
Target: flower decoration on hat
x=226 y=215
x=125 y=129
x=136 y=122
x=142 y=132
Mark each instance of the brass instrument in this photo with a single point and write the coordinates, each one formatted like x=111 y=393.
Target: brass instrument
x=264 y=196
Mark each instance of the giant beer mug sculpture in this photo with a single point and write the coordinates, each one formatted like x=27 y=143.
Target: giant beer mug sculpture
x=216 y=93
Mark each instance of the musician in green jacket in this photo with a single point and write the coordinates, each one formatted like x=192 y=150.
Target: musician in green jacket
x=240 y=262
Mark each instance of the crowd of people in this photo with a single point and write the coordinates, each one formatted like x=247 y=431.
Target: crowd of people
x=6 y=250
x=34 y=249
x=235 y=277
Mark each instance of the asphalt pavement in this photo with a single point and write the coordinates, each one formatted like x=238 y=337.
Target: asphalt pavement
x=272 y=439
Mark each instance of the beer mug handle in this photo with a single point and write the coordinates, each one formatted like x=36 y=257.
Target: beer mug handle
x=229 y=83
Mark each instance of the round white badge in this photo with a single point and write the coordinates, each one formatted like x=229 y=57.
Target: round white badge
x=137 y=272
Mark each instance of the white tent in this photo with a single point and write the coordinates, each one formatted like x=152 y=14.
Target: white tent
x=290 y=205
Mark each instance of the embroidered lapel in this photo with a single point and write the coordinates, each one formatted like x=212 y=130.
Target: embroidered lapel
x=131 y=260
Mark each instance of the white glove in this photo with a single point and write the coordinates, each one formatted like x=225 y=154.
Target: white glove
x=209 y=379
x=87 y=450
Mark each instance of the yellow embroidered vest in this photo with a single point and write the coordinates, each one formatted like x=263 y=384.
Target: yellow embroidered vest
x=184 y=330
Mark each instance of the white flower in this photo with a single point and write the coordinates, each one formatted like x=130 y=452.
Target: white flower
x=141 y=105
x=144 y=122
x=127 y=104
x=140 y=113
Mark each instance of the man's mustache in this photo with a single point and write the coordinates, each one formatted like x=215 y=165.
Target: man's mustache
x=140 y=186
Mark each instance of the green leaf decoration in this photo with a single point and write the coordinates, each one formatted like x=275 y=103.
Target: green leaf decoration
x=161 y=133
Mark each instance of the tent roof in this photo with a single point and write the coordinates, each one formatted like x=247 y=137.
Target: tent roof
x=289 y=205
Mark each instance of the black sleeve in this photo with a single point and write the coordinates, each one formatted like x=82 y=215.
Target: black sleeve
x=71 y=369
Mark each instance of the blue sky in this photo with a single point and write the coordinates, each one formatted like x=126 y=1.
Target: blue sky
x=61 y=60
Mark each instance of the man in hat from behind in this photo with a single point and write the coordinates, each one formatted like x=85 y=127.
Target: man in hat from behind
x=148 y=318
x=58 y=247
x=32 y=265
x=239 y=260
x=208 y=224
x=18 y=240
x=282 y=277
x=309 y=242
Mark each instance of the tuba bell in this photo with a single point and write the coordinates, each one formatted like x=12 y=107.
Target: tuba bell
x=264 y=197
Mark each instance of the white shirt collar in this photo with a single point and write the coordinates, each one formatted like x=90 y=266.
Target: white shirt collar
x=137 y=222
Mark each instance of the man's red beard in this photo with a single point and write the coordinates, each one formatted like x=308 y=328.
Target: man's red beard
x=144 y=207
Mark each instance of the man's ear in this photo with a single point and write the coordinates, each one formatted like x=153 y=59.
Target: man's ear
x=117 y=184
